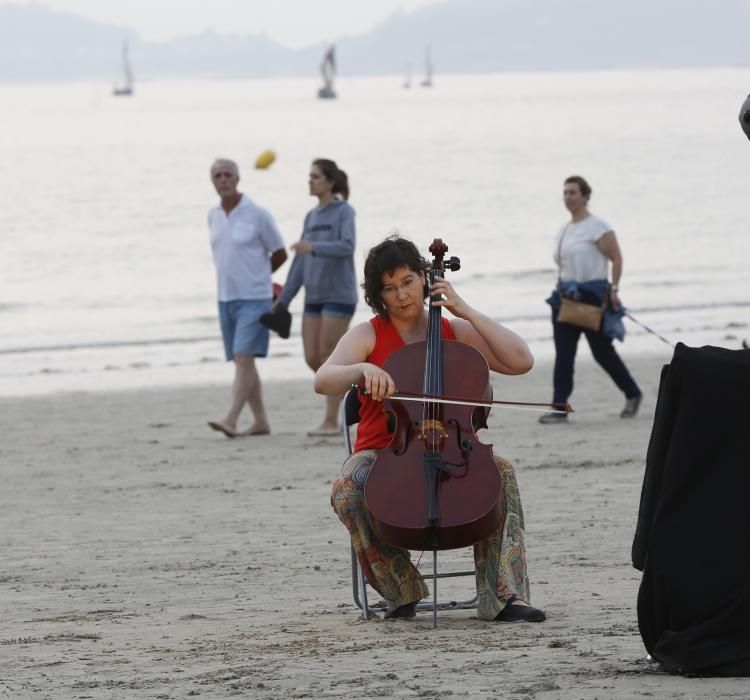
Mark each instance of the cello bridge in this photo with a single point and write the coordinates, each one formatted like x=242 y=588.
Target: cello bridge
x=431 y=426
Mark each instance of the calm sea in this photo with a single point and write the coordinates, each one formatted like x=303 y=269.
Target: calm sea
x=107 y=279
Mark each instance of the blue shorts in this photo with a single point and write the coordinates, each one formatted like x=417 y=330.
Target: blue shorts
x=330 y=308
x=241 y=328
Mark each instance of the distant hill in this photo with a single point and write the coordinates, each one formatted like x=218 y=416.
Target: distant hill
x=466 y=36
x=39 y=44
x=498 y=35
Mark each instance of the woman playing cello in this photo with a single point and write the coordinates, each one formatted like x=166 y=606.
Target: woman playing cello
x=395 y=288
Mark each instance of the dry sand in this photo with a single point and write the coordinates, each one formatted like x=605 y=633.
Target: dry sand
x=144 y=555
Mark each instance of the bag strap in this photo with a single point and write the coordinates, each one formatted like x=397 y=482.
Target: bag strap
x=559 y=255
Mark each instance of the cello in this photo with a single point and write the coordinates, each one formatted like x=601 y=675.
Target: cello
x=436 y=486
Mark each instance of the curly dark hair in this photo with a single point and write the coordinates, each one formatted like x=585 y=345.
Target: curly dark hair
x=388 y=256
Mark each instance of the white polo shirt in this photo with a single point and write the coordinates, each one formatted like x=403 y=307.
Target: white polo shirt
x=241 y=244
x=579 y=258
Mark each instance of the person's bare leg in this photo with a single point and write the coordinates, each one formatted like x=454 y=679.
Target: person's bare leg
x=228 y=425
x=249 y=387
x=311 y=326
x=311 y=330
x=331 y=330
x=246 y=387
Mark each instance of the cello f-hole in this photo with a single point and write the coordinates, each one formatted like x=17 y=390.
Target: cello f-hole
x=465 y=445
x=410 y=428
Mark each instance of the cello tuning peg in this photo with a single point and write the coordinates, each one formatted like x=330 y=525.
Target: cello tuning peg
x=454 y=264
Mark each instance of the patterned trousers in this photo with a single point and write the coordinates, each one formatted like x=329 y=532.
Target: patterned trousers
x=500 y=559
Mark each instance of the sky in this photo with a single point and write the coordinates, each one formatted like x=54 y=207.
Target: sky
x=292 y=23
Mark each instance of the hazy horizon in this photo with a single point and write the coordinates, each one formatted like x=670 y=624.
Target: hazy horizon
x=162 y=20
x=38 y=42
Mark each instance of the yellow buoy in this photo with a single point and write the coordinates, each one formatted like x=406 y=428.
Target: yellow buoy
x=265 y=159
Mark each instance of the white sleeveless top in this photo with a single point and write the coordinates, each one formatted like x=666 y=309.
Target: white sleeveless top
x=579 y=258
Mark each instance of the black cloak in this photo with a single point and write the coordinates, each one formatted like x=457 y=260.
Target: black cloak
x=692 y=540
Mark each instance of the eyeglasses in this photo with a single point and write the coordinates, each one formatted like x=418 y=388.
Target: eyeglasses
x=407 y=285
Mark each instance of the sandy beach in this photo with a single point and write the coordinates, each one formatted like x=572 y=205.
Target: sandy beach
x=145 y=556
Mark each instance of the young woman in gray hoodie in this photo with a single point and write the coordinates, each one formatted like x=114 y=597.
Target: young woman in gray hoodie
x=324 y=265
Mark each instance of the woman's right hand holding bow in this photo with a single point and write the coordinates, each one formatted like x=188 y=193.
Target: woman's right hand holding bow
x=377 y=382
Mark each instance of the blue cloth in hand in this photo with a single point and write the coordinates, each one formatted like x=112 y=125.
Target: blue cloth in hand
x=592 y=292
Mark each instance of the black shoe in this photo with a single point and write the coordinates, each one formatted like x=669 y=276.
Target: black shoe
x=279 y=320
x=407 y=611
x=550 y=418
x=519 y=613
x=631 y=407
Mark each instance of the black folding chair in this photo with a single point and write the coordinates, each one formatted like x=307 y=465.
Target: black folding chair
x=349 y=417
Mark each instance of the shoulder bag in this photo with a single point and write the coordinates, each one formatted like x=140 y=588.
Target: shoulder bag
x=578 y=313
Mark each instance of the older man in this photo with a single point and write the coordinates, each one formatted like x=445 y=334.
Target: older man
x=247 y=247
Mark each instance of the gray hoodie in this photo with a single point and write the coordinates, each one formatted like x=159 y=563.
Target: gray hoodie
x=328 y=272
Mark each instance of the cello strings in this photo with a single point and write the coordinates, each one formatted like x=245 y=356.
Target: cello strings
x=432 y=355
x=437 y=348
x=429 y=369
x=437 y=351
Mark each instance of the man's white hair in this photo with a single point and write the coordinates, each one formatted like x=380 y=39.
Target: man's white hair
x=226 y=163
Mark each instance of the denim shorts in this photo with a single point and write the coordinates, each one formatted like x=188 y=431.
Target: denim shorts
x=241 y=328
x=330 y=308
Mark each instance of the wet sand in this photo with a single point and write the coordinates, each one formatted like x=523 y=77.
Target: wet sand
x=146 y=556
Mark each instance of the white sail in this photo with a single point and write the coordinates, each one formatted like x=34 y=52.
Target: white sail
x=328 y=71
x=427 y=82
x=127 y=69
x=126 y=87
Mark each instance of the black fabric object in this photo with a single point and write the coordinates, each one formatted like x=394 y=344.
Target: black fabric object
x=279 y=321
x=745 y=117
x=692 y=539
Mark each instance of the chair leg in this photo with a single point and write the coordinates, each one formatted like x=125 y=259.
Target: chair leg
x=359 y=585
x=363 y=588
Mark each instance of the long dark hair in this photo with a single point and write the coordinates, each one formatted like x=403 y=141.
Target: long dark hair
x=388 y=256
x=334 y=174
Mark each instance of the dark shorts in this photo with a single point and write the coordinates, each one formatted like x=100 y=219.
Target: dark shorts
x=241 y=328
x=330 y=308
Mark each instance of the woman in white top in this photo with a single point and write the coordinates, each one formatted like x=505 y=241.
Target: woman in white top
x=584 y=248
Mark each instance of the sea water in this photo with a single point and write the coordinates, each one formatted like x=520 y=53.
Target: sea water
x=107 y=279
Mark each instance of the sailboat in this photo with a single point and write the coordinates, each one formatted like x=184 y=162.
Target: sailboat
x=427 y=82
x=126 y=87
x=407 y=80
x=328 y=71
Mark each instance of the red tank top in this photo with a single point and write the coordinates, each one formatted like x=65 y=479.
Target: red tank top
x=372 y=432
